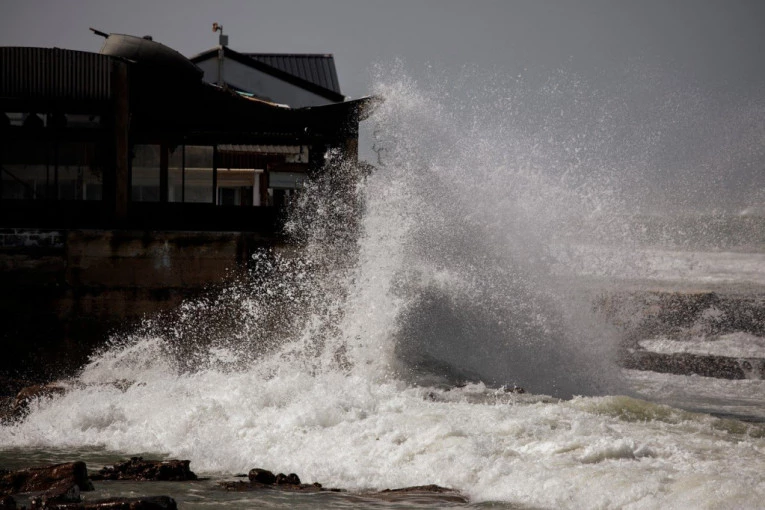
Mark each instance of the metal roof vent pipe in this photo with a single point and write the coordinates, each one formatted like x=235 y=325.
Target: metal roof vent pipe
x=222 y=42
x=222 y=38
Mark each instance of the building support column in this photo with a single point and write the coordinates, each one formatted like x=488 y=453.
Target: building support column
x=215 y=175
x=163 y=172
x=121 y=92
x=351 y=149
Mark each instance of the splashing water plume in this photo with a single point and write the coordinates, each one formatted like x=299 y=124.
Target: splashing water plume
x=413 y=295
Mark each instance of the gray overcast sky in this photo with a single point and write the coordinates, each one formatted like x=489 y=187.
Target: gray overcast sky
x=718 y=42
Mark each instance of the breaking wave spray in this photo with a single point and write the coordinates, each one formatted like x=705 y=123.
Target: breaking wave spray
x=417 y=290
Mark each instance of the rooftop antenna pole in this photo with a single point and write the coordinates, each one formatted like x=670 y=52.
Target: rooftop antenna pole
x=222 y=42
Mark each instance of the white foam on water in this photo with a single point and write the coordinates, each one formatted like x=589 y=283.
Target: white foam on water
x=665 y=265
x=723 y=396
x=353 y=432
x=732 y=345
x=336 y=365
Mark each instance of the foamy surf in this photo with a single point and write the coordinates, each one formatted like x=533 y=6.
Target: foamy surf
x=349 y=431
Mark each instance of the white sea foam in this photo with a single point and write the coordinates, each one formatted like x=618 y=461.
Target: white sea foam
x=673 y=266
x=723 y=396
x=732 y=345
x=350 y=431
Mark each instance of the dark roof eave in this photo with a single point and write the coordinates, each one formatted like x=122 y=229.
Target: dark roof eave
x=363 y=107
x=277 y=73
x=202 y=111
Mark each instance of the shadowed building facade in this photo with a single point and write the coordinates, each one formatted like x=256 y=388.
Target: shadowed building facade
x=129 y=183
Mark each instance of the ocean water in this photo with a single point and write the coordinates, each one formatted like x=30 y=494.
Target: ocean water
x=380 y=356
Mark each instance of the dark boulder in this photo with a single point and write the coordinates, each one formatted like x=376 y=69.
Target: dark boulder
x=421 y=495
x=427 y=489
x=290 y=479
x=154 y=470
x=141 y=503
x=10 y=386
x=15 y=395
x=263 y=476
x=429 y=495
x=60 y=482
x=20 y=404
x=720 y=367
x=264 y=479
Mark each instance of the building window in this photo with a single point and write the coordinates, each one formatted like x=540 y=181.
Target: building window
x=175 y=174
x=190 y=171
x=239 y=186
x=39 y=170
x=145 y=168
x=28 y=171
x=199 y=168
x=80 y=174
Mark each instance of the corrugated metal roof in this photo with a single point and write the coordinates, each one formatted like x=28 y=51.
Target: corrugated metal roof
x=317 y=69
x=54 y=72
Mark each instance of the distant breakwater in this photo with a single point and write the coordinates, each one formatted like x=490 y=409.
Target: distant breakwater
x=686 y=319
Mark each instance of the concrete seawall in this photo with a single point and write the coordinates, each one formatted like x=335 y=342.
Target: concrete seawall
x=63 y=292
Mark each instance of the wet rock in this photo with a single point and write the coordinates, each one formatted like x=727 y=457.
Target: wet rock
x=140 y=503
x=431 y=488
x=691 y=364
x=63 y=492
x=264 y=479
x=682 y=315
x=149 y=470
x=687 y=316
x=15 y=399
x=20 y=403
x=421 y=495
x=290 y=479
x=514 y=389
x=10 y=386
x=60 y=482
x=255 y=486
x=263 y=476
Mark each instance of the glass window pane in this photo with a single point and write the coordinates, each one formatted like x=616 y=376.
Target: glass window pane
x=237 y=186
x=175 y=174
x=145 y=170
x=199 y=174
x=26 y=173
x=80 y=173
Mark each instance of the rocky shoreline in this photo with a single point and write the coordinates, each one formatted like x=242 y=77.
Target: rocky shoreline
x=60 y=486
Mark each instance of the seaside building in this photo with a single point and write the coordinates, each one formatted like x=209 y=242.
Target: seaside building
x=297 y=80
x=131 y=179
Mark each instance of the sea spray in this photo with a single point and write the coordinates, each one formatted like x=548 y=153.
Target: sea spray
x=480 y=299
x=284 y=306
x=375 y=354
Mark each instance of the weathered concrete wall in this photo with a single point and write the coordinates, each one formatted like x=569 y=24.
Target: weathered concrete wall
x=63 y=292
